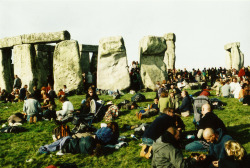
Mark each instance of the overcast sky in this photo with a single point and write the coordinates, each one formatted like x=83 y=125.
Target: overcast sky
x=202 y=28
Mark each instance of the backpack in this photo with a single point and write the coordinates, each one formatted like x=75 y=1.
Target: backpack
x=138 y=98
x=61 y=131
x=111 y=113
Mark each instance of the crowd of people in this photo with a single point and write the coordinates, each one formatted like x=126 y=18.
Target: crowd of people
x=163 y=139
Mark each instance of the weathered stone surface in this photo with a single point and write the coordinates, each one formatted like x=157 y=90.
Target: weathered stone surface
x=88 y=48
x=49 y=37
x=84 y=61
x=228 y=60
x=10 y=41
x=6 y=74
x=112 y=66
x=66 y=65
x=152 y=45
x=234 y=57
x=170 y=37
x=24 y=64
x=153 y=68
x=229 y=45
x=169 y=58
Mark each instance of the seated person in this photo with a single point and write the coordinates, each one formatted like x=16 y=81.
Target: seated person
x=173 y=101
x=37 y=93
x=158 y=127
x=217 y=87
x=31 y=108
x=4 y=96
x=243 y=92
x=152 y=110
x=217 y=140
x=186 y=106
x=60 y=93
x=92 y=93
x=236 y=156
x=167 y=152
x=67 y=109
x=208 y=120
x=16 y=118
x=204 y=91
x=163 y=101
x=65 y=90
x=48 y=109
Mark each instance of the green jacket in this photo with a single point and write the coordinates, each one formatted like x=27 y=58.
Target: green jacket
x=168 y=155
x=163 y=103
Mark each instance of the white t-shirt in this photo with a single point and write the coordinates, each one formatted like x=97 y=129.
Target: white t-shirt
x=66 y=108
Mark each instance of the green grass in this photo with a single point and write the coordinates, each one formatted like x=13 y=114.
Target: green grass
x=15 y=149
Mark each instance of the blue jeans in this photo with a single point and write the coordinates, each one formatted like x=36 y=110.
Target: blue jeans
x=196 y=146
x=147 y=141
x=241 y=99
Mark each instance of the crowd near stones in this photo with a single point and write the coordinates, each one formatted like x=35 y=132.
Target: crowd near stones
x=42 y=72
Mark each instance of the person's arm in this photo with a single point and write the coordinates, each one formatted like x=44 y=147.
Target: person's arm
x=176 y=158
x=64 y=109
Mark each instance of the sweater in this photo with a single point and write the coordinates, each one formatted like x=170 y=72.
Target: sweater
x=31 y=107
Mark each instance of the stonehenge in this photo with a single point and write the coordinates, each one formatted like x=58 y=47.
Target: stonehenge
x=153 y=69
x=234 y=56
x=169 y=57
x=66 y=65
x=112 y=66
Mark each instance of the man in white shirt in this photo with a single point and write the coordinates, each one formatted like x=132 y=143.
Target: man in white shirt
x=233 y=86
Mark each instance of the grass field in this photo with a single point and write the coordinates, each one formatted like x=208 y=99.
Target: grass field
x=15 y=149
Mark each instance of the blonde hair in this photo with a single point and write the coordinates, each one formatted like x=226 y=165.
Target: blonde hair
x=235 y=149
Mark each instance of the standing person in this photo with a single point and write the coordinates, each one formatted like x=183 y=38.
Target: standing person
x=31 y=108
x=241 y=73
x=17 y=82
x=89 y=79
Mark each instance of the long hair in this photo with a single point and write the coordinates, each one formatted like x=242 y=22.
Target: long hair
x=235 y=148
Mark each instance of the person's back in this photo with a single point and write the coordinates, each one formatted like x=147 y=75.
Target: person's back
x=31 y=106
x=166 y=152
x=158 y=126
x=163 y=103
x=225 y=90
x=211 y=120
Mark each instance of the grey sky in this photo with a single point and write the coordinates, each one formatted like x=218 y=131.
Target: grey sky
x=202 y=28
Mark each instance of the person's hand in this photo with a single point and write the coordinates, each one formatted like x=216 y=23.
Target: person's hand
x=201 y=157
x=216 y=163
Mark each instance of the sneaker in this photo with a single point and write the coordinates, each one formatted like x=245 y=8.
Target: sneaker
x=140 y=116
x=59 y=153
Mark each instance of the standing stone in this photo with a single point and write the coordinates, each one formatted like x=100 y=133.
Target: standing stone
x=43 y=63
x=66 y=65
x=228 y=60
x=6 y=75
x=236 y=58
x=24 y=64
x=169 y=58
x=153 y=68
x=112 y=66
